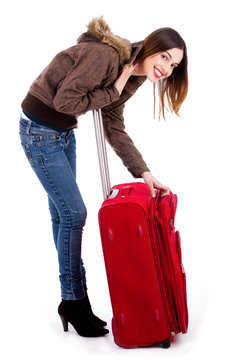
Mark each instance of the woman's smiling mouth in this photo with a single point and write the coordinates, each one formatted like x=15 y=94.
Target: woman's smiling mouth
x=157 y=72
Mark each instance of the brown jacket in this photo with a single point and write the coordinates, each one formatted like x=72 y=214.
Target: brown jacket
x=80 y=79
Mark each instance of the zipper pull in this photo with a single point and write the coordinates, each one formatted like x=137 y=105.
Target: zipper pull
x=171 y=225
x=182 y=268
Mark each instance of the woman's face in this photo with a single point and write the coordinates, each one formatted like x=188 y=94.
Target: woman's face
x=161 y=65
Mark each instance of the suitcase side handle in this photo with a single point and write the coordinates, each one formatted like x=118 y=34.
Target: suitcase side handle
x=126 y=190
x=102 y=153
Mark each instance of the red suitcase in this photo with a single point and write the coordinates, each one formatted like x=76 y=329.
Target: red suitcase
x=142 y=254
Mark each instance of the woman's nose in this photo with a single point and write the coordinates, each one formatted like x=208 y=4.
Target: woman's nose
x=167 y=69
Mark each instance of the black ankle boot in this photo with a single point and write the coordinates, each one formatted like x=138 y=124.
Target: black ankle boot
x=96 y=319
x=76 y=313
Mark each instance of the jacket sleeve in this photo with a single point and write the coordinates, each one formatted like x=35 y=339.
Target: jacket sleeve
x=88 y=85
x=121 y=143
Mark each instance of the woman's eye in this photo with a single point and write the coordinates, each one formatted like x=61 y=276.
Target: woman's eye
x=164 y=57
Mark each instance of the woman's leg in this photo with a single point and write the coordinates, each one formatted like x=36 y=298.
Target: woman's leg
x=70 y=152
x=55 y=219
x=45 y=151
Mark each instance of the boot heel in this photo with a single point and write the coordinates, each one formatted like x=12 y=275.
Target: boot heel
x=64 y=322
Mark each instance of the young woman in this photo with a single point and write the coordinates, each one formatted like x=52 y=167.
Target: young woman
x=101 y=71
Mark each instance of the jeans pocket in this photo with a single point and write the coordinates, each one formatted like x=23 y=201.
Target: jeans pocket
x=47 y=139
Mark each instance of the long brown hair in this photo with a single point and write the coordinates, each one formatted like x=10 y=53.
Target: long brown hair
x=174 y=87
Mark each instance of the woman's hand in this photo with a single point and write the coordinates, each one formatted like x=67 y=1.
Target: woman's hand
x=153 y=183
x=123 y=78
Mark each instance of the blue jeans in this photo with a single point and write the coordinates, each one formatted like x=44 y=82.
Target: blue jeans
x=52 y=156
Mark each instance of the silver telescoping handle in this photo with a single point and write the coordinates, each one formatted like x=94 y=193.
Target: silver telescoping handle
x=102 y=153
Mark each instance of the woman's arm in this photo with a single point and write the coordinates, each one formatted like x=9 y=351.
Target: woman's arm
x=120 y=141
x=123 y=145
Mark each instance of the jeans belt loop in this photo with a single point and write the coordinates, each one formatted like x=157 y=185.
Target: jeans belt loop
x=67 y=135
x=28 y=127
x=29 y=123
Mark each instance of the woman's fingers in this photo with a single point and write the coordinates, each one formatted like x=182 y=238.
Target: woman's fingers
x=164 y=192
x=152 y=183
x=151 y=187
x=123 y=78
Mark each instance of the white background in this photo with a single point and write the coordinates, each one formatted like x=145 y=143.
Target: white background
x=197 y=155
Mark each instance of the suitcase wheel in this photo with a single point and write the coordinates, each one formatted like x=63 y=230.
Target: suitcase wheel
x=166 y=344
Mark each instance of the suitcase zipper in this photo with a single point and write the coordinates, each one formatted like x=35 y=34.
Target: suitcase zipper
x=164 y=290
x=179 y=320
x=173 y=212
x=178 y=304
x=174 y=326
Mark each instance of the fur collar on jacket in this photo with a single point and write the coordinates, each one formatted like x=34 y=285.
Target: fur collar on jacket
x=101 y=30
